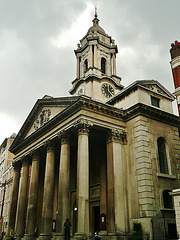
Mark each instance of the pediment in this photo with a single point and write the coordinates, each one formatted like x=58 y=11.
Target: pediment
x=155 y=87
x=45 y=114
x=44 y=111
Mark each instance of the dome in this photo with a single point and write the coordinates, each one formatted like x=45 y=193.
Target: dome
x=96 y=27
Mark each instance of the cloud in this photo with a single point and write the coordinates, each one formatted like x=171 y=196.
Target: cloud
x=37 y=39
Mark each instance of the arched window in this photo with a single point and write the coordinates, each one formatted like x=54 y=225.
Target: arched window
x=103 y=65
x=162 y=155
x=85 y=65
x=167 y=199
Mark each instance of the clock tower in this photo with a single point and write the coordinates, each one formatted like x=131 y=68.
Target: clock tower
x=96 y=65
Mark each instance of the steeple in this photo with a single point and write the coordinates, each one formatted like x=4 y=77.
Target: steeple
x=96 y=61
x=95 y=20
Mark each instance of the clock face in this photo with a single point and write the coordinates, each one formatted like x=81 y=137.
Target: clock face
x=108 y=90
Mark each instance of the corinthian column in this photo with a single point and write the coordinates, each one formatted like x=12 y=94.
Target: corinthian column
x=47 y=209
x=63 y=194
x=32 y=203
x=116 y=183
x=14 y=197
x=83 y=179
x=22 y=200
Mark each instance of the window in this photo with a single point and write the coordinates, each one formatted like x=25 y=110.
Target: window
x=85 y=65
x=167 y=199
x=103 y=65
x=155 y=101
x=162 y=156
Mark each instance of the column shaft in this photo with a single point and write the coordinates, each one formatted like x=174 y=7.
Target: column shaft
x=117 y=214
x=47 y=209
x=110 y=190
x=13 y=202
x=64 y=178
x=83 y=182
x=22 y=200
x=33 y=195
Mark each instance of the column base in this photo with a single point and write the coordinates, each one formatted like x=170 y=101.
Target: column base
x=113 y=237
x=80 y=236
x=28 y=237
x=58 y=236
x=45 y=236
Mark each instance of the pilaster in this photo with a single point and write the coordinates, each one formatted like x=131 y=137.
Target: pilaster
x=144 y=168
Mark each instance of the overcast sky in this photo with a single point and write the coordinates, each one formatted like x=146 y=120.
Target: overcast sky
x=38 y=38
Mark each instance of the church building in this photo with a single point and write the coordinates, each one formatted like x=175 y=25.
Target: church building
x=105 y=157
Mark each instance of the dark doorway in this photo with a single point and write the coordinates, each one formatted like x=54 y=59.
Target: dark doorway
x=172 y=231
x=96 y=218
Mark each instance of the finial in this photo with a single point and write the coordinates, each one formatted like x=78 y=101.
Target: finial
x=95 y=15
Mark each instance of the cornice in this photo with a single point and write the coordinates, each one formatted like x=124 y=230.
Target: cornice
x=151 y=112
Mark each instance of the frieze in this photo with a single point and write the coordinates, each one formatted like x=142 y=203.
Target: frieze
x=43 y=117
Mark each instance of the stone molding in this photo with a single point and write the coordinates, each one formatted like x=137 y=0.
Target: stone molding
x=116 y=135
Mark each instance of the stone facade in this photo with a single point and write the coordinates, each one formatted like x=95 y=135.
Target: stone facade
x=104 y=158
x=6 y=178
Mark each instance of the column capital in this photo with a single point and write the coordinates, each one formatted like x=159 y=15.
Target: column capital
x=116 y=135
x=49 y=145
x=83 y=126
x=34 y=152
x=25 y=162
x=17 y=165
x=35 y=156
x=64 y=137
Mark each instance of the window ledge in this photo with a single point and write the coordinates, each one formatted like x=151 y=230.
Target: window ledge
x=168 y=209
x=166 y=175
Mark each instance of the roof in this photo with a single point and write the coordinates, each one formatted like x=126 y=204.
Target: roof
x=146 y=84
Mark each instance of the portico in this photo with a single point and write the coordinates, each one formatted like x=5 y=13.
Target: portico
x=70 y=166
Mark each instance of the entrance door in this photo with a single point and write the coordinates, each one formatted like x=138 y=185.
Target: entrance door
x=95 y=219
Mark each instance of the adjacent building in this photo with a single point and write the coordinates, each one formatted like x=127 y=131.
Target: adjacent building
x=105 y=157
x=175 y=64
x=6 y=178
